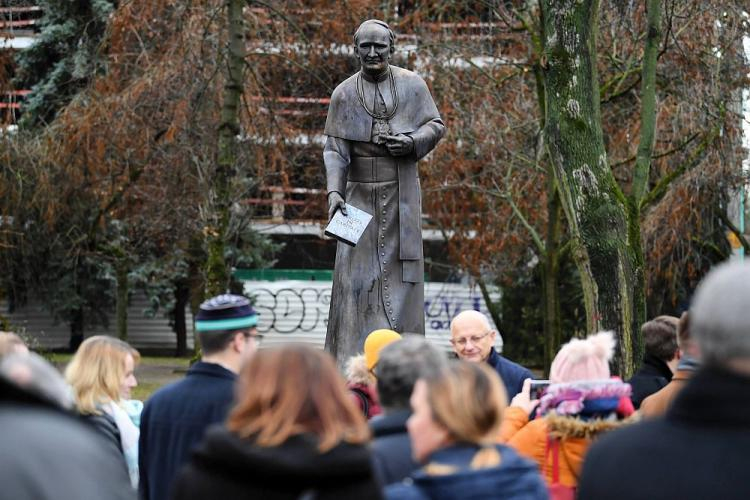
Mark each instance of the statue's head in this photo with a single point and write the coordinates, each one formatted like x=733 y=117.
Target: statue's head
x=374 y=44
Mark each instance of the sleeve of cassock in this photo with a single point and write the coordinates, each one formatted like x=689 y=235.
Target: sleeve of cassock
x=427 y=136
x=336 y=157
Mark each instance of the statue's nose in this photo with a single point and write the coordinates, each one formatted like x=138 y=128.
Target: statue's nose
x=372 y=51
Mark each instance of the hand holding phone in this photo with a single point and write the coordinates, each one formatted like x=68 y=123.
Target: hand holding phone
x=537 y=388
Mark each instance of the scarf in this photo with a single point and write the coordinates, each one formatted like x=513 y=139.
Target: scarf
x=688 y=363
x=127 y=416
x=587 y=398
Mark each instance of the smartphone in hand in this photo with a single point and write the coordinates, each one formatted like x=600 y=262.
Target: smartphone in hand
x=538 y=387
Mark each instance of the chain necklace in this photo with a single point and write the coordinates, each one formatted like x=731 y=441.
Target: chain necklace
x=394 y=96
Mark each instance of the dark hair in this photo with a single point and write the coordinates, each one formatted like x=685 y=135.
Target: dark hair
x=660 y=337
x=382 y=24
x=213 y=342
x=400 y=365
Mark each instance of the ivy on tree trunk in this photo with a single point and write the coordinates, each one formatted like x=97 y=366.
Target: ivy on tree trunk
x=590 y=196
x=639 y=187
x=217 y=272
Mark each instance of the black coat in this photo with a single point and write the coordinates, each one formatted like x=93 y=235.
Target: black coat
x=653 y=374
x=228 y=467
x=391 y=447
x=107 y=427
x=173 y=422
x=47 y=453
x=700 y=450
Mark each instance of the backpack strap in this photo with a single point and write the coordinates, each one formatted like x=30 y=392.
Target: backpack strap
x=553 y=446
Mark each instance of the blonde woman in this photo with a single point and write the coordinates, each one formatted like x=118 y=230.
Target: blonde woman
x=101 y=374
x=456 y=417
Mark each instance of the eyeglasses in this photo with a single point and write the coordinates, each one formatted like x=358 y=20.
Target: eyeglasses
x=257 y=337
x=475 y=339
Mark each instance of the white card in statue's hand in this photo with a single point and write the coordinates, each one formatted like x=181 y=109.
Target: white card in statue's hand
x=350 y=227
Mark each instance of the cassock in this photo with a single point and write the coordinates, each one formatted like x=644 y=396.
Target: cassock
x=379 y=283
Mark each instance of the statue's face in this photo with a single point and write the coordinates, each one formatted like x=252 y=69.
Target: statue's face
x=374 y=49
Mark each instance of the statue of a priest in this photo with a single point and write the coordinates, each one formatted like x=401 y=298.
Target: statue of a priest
x=380 y=121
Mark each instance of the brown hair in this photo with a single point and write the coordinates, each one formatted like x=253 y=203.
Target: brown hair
x=468 y=400
x=97 y=370
x=291 y=390
x=660 y=337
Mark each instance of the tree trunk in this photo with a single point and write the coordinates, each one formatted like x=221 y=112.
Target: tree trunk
x=182 y=297
x=217 y=272
x=492 y=307
x=197 y=285
x=121 y=299
x=642 y=167
x=76 y=330
x=550 y=255
x=550 y=277
x=590 y=197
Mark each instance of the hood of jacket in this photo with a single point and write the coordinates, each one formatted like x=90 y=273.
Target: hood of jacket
x=357 y=372
x=515 y=477
x=297 y=459
x=564 y=427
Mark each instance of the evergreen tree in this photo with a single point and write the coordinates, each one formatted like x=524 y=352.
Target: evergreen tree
x=65 y=56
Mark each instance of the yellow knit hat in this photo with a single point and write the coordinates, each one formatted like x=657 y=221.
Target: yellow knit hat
x=375 y=342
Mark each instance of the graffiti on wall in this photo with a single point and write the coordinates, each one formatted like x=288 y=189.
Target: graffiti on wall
x=440 y=309
x=292 y=307
x=301 y=307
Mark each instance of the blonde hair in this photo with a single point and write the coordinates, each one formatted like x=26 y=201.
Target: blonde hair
x=97 y=370
x=468 y=401
x=292 y=390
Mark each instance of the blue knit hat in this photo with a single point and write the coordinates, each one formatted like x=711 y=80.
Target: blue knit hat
x=226 y=312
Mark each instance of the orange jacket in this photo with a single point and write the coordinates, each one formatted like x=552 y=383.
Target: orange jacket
x=530 y=440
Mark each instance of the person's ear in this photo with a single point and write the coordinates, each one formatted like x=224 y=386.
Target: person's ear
x=238 y=342
x=493 y=335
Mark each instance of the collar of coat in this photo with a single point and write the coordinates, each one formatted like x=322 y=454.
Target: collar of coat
x=654 y=366
x=562 y=426
x=714 y=397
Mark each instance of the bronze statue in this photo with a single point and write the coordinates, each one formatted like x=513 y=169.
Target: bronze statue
x=380 y=121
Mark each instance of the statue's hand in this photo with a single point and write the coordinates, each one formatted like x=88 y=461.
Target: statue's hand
x=399 y=145
x=335 y=201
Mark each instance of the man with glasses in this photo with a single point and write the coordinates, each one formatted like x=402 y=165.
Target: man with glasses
x=473 y=339
x=175 y=417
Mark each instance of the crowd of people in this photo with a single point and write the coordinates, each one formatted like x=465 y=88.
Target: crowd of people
x=403 y=422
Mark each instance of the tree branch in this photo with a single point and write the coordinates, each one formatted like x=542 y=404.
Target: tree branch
x=680 y=147
x=517 y=211
x=648 y=104
x=491 y=306
x=661 y=187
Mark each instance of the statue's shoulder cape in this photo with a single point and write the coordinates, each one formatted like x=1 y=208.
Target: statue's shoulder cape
x=347 y=119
